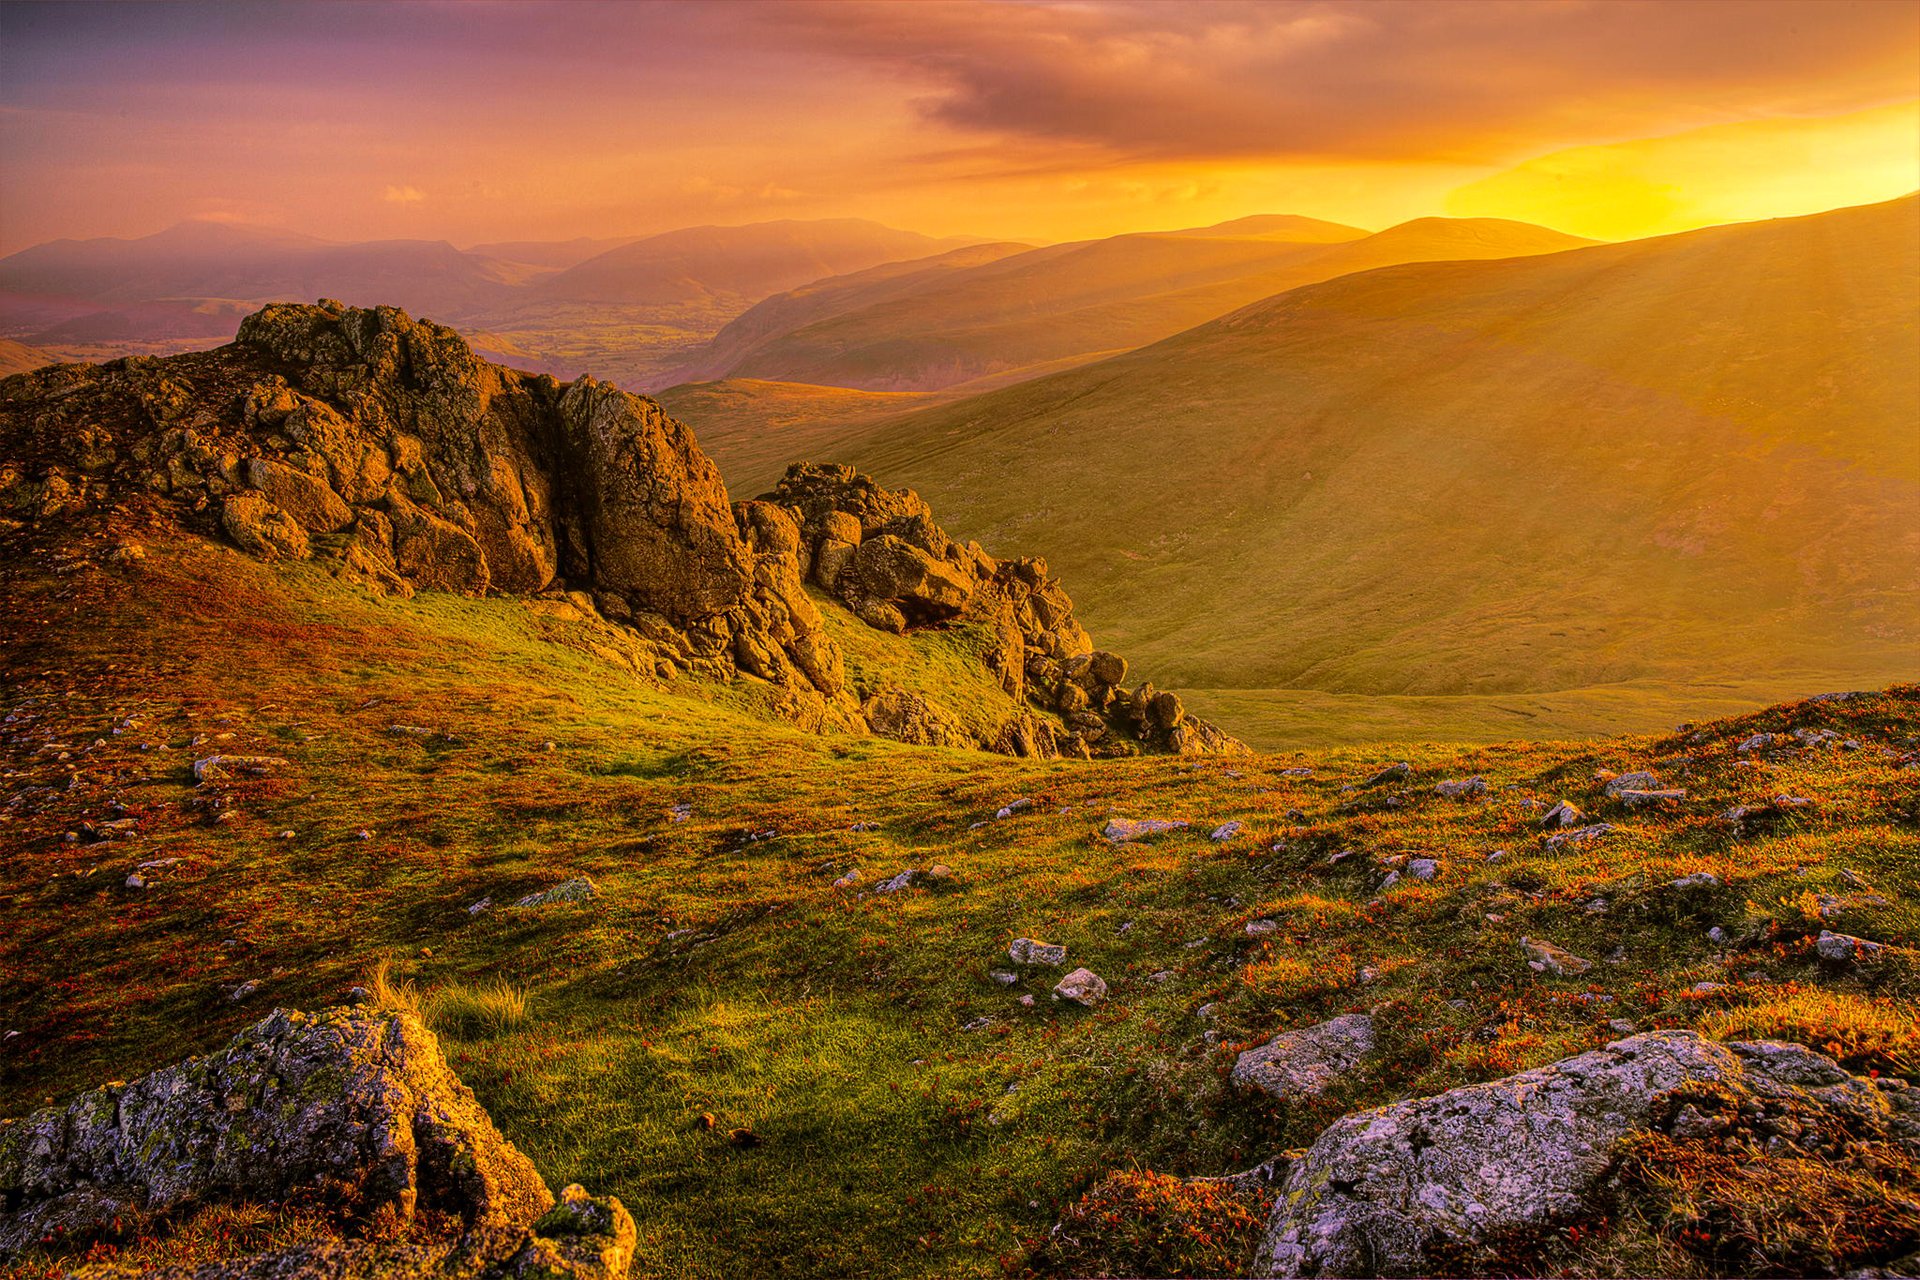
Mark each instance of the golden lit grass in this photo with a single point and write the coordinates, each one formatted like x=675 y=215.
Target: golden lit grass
x=451 y=1008
x=722 y=975
x=1865 y=1034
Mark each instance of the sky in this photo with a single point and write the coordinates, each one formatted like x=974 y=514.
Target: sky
x=478 y=122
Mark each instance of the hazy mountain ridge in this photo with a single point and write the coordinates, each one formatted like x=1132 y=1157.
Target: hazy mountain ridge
x=1077 y=301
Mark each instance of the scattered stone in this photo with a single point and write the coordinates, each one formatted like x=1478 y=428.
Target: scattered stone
x=1002 y=977
x=1707 y=988
x=1758 y=742
x=1262 y=927
x=1025 y=1002
x=1461 y=788
x=409 y=731
x=1544 y=957
x=1124 y=830
x=848 y=880
x=1423 y=868
x=1464 y=1174
x=1648 y=799
x=480 y=906
x=1308 y=1062
x=1007 y=811
x=1698 y=880
x=1030 y=951
x=1400 y=772
x=1562 y=816
x=244 y=990
x=136 y=882
x=1162 y=976
x=680 y=812
x=579 y=889
x=1083 y=987
x=1579 y=835
x=1844 y=948
x=1226 y=831
x=215 y=767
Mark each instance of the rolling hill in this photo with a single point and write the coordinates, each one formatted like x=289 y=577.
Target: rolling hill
x=745 y=263
x=17 y=357
x=1078 y=301
x=1689 y=460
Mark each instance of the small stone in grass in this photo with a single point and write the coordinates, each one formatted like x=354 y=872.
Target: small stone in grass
x=1083 y=987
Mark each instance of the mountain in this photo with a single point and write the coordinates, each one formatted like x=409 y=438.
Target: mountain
x=423 y=788
x=1688 y=459
x=160 y=285
x=745 y=262
x=557 y=254
x=1079 y=301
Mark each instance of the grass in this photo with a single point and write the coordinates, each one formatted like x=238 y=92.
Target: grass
x=908 y=1117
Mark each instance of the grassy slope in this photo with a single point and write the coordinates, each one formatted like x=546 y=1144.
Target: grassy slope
x=723 y=974
x=753 y=429
x=1106 y=295
x=1672 y=462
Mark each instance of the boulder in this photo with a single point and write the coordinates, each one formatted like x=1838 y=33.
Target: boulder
x=1032 y=951
x=579 y=889
x=353 y=1109
x=1638 y=781
x=1083 y=987
x=262 y=529
x=312 y=504
x=1545 y=957
x=1448 y=1184
x=1308 y=1062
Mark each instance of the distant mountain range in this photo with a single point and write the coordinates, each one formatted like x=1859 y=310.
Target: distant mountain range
x=197 y=279
x=952 y=322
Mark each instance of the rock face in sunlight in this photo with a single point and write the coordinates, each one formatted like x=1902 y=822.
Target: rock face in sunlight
x=384 y=449
x=352 y=1112
x=879 y=552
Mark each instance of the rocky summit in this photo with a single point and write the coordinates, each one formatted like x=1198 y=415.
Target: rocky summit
x=384 y=449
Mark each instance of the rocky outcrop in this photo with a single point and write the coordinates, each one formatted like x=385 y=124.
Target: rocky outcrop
x=352 y=1111
x=879 y=552
x=383 y=447
x=1449 y=1184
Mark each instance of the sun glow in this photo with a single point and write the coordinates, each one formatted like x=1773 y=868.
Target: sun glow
x=1737 y=172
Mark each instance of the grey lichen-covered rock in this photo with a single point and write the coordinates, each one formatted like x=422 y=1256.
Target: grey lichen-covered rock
x=1032 y=951
x=1308 y=1062
x=352 y=1108
x=1388 y=1192
x=1083 y=987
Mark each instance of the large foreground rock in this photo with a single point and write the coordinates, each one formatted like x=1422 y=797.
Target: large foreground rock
x=1408 y=1188
x=350 y=1110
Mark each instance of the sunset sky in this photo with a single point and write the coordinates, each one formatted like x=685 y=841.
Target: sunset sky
x=494 y=121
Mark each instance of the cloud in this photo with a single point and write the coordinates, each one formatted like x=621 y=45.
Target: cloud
x=405 y=197
x=1459 y=81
